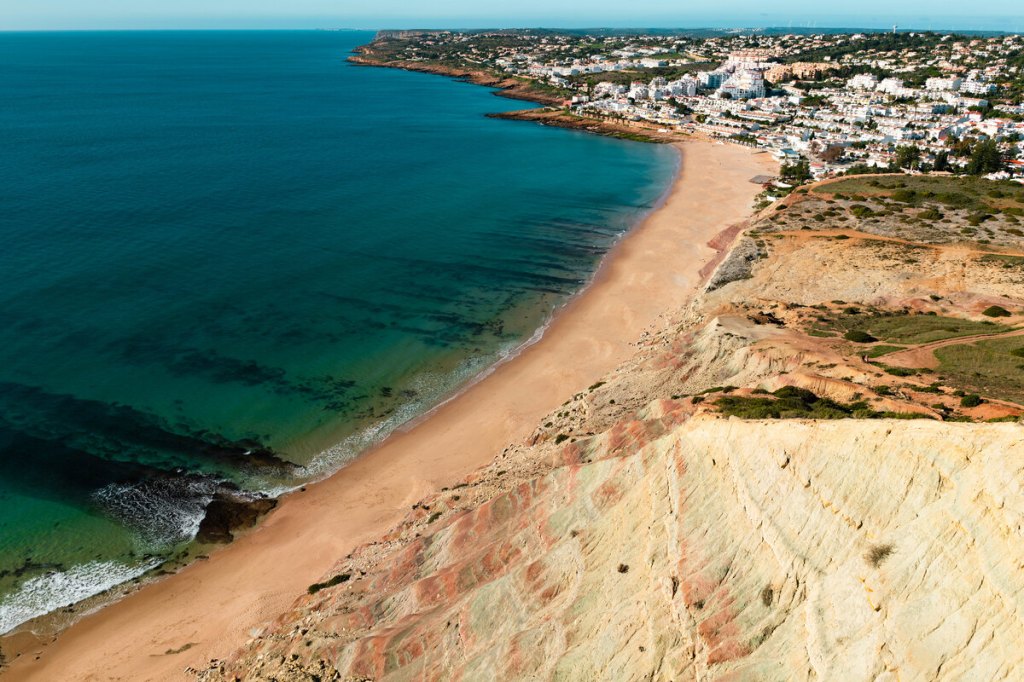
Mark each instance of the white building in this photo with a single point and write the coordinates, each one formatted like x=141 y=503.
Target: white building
x=863 y=81
x=744 y=84
x=712 y=80
x=684 y=87
x=951 y=84
x=975 y=87
x=890 y=85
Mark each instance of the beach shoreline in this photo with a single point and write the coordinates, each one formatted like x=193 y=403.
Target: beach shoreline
x=212 y=606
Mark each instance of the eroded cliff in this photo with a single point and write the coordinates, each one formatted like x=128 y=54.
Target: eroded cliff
x=643 y=533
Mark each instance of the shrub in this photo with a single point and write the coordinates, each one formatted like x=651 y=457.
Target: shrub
x=996 y=311
x=561 y=438
x=970 y=400
x=336 y=580
x=858 y=336
x=877 y=554
x=790 y=402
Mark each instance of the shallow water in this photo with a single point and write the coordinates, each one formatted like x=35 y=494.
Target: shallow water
x=225 y=251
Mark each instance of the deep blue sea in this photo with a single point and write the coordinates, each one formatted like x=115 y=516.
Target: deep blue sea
x=235 y=257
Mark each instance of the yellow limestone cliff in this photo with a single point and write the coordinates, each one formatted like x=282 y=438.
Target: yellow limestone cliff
x=641 y=534
x=721 y=550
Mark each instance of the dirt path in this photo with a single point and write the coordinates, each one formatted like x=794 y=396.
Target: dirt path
x=923 y=356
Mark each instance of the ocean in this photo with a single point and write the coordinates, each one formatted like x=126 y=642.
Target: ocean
x=233 y=258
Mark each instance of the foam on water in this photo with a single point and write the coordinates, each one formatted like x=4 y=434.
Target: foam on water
x=164 y=512
x=43 y=594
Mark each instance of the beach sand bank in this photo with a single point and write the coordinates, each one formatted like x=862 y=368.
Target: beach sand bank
x=212 y=606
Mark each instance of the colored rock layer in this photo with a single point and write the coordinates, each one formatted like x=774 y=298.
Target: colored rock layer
x=643 y=535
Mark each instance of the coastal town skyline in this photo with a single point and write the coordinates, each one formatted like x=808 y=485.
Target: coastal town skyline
x=999 y=15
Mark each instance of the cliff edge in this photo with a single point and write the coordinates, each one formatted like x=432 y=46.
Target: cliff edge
x=813 y=471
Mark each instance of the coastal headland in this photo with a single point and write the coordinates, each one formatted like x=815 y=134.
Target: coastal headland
x=552 y=113
x=214 y=605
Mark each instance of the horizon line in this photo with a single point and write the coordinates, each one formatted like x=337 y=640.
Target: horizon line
x=766 y=27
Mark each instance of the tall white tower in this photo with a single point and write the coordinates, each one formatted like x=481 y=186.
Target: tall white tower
x=894 y=27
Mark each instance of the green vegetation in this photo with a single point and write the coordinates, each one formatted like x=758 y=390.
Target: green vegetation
x=995 y=311
x=790 y=402
x=966 y=193
x=993 y=367
x=912 y=328
x=858 y=336
x=970 y=400
x=336 y=580
x=882 y=349
x=900 y=371
x=1005 y=261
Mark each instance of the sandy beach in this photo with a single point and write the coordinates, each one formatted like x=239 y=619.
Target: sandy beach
x=211 y=607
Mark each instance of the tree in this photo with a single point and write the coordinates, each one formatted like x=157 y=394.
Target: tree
x=941 y=162
x=908 y=156
x=832 y=153
x=798 y=172
x=985 y=158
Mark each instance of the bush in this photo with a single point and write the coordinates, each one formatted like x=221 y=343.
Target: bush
x=996 y=311
x=877 y=554
x=790 y=402
x=336 y=580
x=858 y=336
x=970 y=400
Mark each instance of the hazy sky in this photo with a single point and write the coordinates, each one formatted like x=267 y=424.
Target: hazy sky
x=79 y=14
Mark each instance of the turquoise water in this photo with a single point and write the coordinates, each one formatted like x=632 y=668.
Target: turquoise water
x=224 y=252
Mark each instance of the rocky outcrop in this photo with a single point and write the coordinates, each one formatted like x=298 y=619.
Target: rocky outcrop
x=228 y=512
x=739 y=264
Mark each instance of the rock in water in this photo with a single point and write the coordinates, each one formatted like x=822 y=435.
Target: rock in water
x=228 y=512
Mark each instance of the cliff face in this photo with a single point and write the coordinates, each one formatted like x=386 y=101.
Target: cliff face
x=787 y=550
x=642 y=534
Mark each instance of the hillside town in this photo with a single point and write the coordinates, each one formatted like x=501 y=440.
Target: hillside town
x=824 y=104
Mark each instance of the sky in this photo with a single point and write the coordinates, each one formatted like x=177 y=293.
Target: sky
x=375 y=14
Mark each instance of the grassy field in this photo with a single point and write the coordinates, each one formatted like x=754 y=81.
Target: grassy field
x=911 y=329
x=992 y=368
x=976 y=194
x=1006 y=261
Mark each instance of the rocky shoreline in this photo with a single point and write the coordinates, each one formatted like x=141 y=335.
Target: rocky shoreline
x=508 y=87
x=555 y=113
